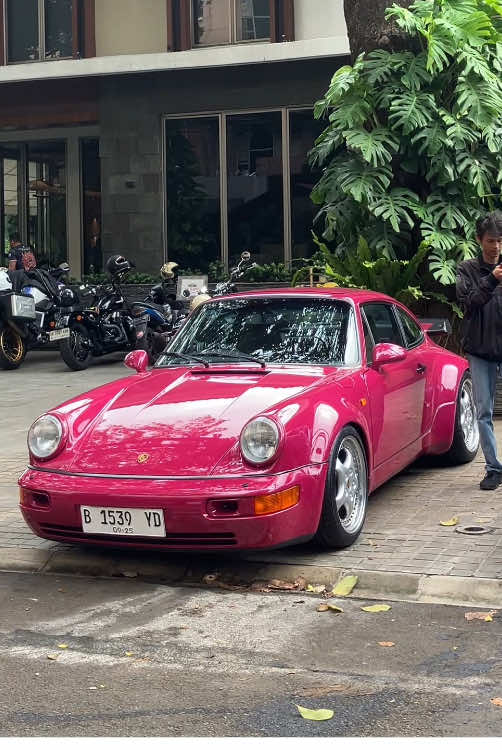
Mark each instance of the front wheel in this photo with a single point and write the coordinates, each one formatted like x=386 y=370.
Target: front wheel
x=346 y=493
x=466 y=435
x=12 y=348
x=76 y=350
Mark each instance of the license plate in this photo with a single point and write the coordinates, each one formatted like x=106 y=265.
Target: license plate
x=122 y=521
x=63 y=333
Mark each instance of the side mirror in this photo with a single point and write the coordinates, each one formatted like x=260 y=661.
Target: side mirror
x=384 y=354
x=137 y=360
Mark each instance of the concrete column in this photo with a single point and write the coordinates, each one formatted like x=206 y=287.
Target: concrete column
x=74 y=206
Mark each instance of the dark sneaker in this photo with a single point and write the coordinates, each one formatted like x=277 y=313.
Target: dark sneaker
x=492 y=480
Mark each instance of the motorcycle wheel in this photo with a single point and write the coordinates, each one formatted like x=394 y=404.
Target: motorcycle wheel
x=12 y=349
x=74 y=350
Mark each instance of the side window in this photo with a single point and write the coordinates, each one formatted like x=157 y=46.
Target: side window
x=413 y=334
x=383 y=324
x=368 y=342
x=352 y=346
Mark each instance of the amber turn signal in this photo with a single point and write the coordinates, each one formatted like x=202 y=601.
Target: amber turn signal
x=278 y=501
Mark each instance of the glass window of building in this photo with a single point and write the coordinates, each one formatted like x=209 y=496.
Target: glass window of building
x=9 y=196
x=39 y=29
x=193 y=191
x=253 y=20
x=230 y=21
x=46 y=190
x=255 y=186
x=91 y=205
x=304 y=130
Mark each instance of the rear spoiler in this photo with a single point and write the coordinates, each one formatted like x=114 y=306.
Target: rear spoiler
x=435 y=325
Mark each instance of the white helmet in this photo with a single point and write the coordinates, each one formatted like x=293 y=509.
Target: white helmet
x=167 y=270
x=198 y=300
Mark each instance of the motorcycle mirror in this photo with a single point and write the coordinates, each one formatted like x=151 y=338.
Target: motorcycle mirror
x=137 y=360
x=246 y=255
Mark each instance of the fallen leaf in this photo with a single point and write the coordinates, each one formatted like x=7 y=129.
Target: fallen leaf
x=316 y=588
x=281 y=585
x=496 y=701
x=372 y=543
x=386 y=644
x=63 y=591
x=300 y=583
x=62 y=645
x=129 y=653
x=377 y=608
x=37 y=674
x=486 y=616
x=321 y=714
x=260 y=587
x=451 y=522
x=93 y=687
x=345 y=586
x=52 y=657
x=329 y=608
x=102 y=686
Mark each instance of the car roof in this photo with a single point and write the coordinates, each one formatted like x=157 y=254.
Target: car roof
x=355 y=295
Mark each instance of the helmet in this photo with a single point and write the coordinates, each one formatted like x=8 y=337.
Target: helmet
x=64 y=267
x=198 y=300
x=167 y=270
x=68 y=297
x=117 y=264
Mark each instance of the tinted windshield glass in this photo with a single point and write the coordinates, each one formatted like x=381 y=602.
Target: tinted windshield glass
x=271 y=330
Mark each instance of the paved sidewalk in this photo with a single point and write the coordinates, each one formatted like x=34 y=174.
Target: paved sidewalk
x=402 y=532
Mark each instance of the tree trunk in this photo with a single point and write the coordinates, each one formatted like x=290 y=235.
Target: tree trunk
x=368 y=29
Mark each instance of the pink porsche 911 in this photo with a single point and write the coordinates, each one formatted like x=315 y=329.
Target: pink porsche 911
x=268 y=421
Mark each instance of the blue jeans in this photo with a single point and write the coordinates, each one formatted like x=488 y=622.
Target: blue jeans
x=484 y=380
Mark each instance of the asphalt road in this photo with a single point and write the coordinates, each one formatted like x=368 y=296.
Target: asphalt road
x=150 y=660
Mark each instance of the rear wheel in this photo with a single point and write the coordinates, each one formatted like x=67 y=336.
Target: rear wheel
x=75 y=350
x=466 y=436
x=12 y=348
x=346 y=494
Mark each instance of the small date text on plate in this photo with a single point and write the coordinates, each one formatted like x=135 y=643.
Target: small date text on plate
x=63 y=333
x=122 y=521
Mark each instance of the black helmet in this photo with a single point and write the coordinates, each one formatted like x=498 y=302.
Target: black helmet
x=117 y=264
x=68 y=297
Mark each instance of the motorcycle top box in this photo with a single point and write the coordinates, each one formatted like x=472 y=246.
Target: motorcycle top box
x=17 y=306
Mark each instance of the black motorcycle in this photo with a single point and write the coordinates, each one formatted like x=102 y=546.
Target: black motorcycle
x=107 y=322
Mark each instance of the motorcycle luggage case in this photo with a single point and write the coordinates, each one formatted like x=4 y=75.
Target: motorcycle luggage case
x=17 y=306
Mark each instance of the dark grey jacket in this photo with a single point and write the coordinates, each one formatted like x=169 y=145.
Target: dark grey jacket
x=480 y=296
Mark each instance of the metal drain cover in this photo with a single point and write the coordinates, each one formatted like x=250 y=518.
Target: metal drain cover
x=474 y=530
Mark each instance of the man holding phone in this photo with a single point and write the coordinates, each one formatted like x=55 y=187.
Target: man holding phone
x=479 y=293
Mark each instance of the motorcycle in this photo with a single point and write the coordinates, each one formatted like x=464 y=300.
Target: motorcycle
x=21 y=327
x=108 y=323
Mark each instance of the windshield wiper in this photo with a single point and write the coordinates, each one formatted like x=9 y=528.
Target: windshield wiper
x=187 y=357
x=233 y=355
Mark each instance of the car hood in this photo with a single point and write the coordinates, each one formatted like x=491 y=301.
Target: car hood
x=181 y=422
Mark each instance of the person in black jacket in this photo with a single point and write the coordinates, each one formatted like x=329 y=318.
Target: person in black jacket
x=479 y=293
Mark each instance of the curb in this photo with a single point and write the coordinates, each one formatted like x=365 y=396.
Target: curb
x=410 y=587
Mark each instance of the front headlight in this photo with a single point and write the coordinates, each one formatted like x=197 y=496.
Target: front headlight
x=260 y=440
x=44 y=437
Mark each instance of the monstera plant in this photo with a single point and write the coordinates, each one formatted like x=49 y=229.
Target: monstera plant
x=412 y=150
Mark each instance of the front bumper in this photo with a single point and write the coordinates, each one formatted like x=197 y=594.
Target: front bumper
x=50 y=504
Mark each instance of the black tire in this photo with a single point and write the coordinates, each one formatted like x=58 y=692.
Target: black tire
x=336 y=530
x=75 y=351
x=12 y=348
x=466 y=433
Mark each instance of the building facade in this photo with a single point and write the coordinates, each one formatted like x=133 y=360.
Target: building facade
x=162 y=129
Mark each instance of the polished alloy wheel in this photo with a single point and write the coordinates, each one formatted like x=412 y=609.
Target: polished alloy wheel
x=11 y=345
x=351 y=484
x=468 y=419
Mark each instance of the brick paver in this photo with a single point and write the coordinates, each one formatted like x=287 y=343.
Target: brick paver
x=402 y=531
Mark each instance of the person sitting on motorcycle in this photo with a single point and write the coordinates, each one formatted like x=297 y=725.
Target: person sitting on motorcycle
x=21 y=258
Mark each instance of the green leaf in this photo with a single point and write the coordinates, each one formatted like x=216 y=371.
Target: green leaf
x=322 y=714
x=440 y=239
x=405 y=19
x=432 y=139
x=362 y=181
x=416 y=72
x=342 y=81
x=376 y=146
x=440 y=48
x=445 y=213
x=352 y=112
x=411 y=111
x=443 y=269
x=395 y=207
x=381 y=65
x=345 y=586
x=480 y=101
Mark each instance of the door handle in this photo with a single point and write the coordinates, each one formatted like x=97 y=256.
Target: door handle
x=421 y=369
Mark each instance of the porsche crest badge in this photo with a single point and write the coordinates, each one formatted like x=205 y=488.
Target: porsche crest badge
x=143 y=458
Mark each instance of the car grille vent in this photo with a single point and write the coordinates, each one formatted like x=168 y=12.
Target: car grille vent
x=73 y=533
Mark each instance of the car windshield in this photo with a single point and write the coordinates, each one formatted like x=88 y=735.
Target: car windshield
x=282 y=330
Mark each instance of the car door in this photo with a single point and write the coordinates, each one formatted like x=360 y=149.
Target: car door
x=396 y=390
